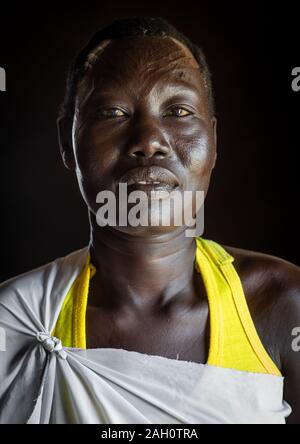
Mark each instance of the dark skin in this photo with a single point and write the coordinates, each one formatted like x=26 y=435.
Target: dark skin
x=144 y=102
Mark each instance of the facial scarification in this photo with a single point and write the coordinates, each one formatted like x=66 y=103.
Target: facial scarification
x=179 y=49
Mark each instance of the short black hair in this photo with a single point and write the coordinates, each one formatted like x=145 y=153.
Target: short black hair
x=127 y=27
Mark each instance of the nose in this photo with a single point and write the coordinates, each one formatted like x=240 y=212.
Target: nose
x=148 y=141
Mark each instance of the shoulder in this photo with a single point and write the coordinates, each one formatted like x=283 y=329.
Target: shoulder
x=260 y=271
x=264 y=267
x=45 y=278
x=31 y=302
x=272 y=288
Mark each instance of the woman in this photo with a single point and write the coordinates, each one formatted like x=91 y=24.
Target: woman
x=147 y=324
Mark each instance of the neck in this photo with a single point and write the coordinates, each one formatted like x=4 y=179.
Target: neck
x=143 y=270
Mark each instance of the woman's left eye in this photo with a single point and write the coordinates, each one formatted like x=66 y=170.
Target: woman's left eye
x=179 y=112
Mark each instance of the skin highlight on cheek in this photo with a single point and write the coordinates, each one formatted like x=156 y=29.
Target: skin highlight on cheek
x=198 y=160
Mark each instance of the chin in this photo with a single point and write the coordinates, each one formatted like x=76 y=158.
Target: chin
x=146 y=231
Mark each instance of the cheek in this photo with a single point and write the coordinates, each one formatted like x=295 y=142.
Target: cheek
x=95 y=161
x=197 y=151
x=200 y=156
x=95 y=155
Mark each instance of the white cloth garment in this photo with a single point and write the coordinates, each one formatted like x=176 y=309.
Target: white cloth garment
x=43 y=382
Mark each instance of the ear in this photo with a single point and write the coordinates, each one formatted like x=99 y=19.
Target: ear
x=65 y=142
x=214 y=126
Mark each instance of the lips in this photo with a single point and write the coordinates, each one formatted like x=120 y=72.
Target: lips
x=152 y=177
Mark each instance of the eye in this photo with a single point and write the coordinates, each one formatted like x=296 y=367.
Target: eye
x=178 y=111
x=111 y=112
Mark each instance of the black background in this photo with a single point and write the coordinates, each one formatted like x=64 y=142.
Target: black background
x=251 y=50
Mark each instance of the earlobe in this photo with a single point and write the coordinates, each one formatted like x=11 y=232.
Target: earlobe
x=65 y=143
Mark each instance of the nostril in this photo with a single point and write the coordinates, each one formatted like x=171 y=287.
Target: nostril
x=160 y=154
x=138 y=154
x=145 y=153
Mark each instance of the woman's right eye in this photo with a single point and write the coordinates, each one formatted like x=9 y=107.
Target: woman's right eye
x=111 y=112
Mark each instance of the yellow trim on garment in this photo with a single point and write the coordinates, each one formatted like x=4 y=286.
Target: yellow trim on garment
x=70 y=326
x=234 y=342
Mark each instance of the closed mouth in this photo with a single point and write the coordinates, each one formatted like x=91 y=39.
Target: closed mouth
x=152 y=177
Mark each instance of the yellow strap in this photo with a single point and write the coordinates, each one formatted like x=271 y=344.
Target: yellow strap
x=234 y=342
x=246 y=321
x=70 y=327
x=234 y=339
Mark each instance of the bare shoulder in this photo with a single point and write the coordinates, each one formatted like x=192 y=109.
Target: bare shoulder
x=260 y=271
x=272 y=280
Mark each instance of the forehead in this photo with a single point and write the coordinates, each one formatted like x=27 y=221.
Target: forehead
x=140 y=65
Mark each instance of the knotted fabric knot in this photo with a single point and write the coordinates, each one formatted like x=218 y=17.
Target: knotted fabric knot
x=51 y=344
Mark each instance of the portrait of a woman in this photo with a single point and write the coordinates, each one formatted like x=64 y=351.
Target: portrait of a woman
x=146 y=324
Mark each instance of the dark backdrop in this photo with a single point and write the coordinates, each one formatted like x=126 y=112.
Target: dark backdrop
x=251 y=50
